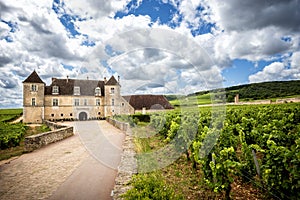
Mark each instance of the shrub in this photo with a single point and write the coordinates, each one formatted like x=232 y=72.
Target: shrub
x=150 y=186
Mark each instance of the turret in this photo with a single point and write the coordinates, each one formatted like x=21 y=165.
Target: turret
x=112 y=97
x=33 y=99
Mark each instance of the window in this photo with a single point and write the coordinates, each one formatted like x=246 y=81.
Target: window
x=33 y=102
x=112 y=90
x=52 y=115
x=76 y=102
x=99 y=113
x=123 y=104
x=112 y=102
x=54 y=102
x=97 y=91
x=34 y=88
x=61 y=114
x=71 y=114
x=97 y=102
x=55 y=90
x=76 y=90
x=85 y=102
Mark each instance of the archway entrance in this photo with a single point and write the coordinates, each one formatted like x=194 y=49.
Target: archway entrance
x=82 y=116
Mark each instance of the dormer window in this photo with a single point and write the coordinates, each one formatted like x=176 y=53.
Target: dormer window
x=55 y=90
x=97 y=91
x=76 y=90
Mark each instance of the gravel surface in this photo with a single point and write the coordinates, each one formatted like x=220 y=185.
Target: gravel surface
x=49 y=171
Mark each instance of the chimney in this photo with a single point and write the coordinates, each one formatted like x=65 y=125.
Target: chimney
x=53 y=79
x=119 y=79
x=67 y=79
x=87 y=78
x=105 y=80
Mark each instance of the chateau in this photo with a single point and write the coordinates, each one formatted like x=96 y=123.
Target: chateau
x=72 y=99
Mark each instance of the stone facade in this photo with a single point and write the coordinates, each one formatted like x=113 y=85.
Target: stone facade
x=72 y=99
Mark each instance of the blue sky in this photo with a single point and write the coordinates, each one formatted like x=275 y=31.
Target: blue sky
x=158 y=45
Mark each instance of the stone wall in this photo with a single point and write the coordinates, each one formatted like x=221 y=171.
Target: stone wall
x=53 y=125
x=288 y=100
x=123 y=126
x=128 y=164
x=37 y=141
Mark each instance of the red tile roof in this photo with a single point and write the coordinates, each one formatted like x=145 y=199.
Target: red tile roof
x=155 y=102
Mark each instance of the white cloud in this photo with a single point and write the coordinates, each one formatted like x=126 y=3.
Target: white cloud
x=276 y=71
x=252 y=45
x=253 y=30
x=157 y=56
x=295 y=60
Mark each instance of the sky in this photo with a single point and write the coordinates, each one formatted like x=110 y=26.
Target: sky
x=155 y=46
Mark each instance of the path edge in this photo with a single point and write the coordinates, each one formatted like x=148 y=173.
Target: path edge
x=128 y=164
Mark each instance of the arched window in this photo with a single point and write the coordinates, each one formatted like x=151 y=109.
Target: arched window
x=97 y=91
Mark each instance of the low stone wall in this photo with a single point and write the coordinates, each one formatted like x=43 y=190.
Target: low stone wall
x=128 y=164
x=288 y=100
x=53 y=125
x=123 y=126
x=37 y=141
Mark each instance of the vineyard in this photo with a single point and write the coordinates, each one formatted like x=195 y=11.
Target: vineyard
x=256 y=145
x=12 y=134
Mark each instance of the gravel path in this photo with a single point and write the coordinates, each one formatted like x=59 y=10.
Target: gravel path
x=66 y=167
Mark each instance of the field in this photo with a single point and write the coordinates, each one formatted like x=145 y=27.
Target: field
x=251 y=153
x=7 y=115
x=12 y=134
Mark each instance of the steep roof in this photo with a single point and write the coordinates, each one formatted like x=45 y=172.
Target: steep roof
x=112 y=81
x=66 y=86
x=33 y=78
x=155 y=102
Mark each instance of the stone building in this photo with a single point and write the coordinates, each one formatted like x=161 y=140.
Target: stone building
x=72 y=99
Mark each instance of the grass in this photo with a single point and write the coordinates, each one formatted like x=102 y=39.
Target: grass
x=205 y=99
x=19 y=150
x=7 y=115
x=13 y=111
x=191 y=100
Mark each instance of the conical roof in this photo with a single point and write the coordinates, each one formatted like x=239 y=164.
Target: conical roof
x=33 y=78
x=112 y=81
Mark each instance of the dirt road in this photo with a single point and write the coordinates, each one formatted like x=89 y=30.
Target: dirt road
x=83 y=166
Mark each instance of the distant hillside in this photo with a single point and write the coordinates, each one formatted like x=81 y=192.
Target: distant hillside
x=266 y=90
x=254 y=91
